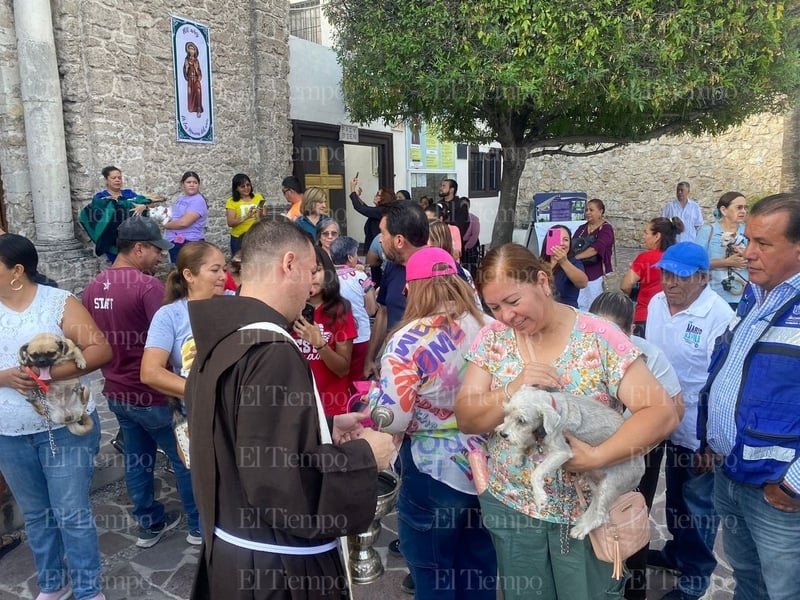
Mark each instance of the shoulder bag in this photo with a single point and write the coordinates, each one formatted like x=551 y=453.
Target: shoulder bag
x=625 y=533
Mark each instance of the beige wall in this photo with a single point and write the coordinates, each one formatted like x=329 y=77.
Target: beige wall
x=636 y=181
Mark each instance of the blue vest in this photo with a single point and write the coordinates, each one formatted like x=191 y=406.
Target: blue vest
x=767 y=409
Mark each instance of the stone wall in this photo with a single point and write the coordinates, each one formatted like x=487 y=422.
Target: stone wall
x=636 y=181
x=116 y=68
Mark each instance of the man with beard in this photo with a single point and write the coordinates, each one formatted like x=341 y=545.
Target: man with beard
x=274 y=484
x=404 y=230
x=456 y=211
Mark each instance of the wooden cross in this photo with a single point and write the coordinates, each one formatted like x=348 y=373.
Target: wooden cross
x=324 y=179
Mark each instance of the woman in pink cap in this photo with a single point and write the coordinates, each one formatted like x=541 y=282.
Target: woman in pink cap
x=448 y=551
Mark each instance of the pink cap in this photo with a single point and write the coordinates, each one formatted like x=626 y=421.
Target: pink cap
x=430 y=262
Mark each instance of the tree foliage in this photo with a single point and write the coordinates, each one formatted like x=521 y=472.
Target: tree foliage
x=565 y=76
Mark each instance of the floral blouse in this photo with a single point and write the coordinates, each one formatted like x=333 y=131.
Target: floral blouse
x=593 y=363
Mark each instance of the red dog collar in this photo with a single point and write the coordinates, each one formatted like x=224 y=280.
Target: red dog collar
x=43 y=385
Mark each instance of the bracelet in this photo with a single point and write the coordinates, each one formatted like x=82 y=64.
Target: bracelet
x=318 y=348
x=505 y=389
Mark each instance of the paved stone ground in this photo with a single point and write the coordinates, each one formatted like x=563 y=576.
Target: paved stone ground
x=165 y=571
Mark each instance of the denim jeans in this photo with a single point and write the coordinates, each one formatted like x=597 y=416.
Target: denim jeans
x=145 y=428
x=53 y=494
x=762 y=543
x=691 y=519
x=448 y=551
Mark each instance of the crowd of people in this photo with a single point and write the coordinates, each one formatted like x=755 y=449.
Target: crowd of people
x=697 y=351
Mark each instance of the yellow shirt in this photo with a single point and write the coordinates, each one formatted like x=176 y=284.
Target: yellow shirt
x=241 y=208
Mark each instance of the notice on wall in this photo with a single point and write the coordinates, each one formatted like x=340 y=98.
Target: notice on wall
x=426 y=150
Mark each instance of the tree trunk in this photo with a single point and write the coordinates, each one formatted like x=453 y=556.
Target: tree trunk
x=514 y=159
x=790 y=168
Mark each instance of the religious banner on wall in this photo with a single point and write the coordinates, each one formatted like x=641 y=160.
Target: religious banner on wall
x=426 y=151
x=191 y=55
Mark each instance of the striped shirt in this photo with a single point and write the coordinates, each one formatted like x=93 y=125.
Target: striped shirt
x=725 y=389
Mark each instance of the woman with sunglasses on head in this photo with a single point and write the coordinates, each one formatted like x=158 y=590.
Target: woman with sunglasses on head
x=242 y=209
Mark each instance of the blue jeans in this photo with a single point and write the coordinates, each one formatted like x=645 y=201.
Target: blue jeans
x=145 y=428
x=762 y=543
x=691 y=519
x=53 y=493
x=448 y=551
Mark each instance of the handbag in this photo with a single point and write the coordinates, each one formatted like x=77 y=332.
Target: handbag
x=625 y=533
x=579 y=244
x=612 y=279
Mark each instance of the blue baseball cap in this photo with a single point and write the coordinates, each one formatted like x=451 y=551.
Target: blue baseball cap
x=684 y=259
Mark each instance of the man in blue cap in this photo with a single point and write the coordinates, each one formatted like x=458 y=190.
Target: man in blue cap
x=684 y=321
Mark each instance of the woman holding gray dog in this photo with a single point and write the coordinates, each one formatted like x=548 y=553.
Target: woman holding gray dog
x=540 y=342
x=48 y=468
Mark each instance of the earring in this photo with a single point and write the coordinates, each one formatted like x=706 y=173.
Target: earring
x=16 y=289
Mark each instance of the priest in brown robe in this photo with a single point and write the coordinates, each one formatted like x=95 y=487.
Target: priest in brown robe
x=272 y=496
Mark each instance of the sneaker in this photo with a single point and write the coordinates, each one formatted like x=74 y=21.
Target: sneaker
x=150 y=536
x=194 y=538
x=657 y=560
x=407 y=585
x=394 y=547
x=676 y=594
x=62 y=594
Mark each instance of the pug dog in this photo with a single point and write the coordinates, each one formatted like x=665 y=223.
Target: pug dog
x=46 y=350
x=66 y=398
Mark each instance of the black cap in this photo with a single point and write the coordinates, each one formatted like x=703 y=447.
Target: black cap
x=142 y=229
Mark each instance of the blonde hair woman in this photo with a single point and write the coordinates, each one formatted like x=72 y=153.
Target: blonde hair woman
x=313 y=206
x=421 y=371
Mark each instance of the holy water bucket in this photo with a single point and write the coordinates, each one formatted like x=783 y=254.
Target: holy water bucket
x=365 y=562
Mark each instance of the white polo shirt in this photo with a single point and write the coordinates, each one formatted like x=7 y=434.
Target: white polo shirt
x=691 y=215
x=687 y=339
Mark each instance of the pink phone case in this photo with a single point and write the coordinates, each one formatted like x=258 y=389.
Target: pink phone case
x=553 y=239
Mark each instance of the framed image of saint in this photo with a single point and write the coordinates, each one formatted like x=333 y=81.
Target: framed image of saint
x=191 y=55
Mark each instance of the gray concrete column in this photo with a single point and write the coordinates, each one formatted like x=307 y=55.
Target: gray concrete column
x=44 y=122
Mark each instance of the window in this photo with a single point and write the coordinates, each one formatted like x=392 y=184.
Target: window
x=304 y=20
x=484 y=173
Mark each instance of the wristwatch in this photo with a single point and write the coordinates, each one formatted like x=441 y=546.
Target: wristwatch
x=788 y=490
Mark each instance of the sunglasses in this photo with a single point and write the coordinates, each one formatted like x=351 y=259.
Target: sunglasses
x=332 y=234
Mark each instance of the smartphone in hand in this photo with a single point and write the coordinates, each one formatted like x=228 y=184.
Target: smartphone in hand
x=553 y=240
x=308 y=313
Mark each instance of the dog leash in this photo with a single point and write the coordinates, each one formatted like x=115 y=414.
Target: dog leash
x=40 y=395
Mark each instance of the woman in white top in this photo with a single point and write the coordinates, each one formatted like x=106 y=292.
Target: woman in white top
x=48 y=468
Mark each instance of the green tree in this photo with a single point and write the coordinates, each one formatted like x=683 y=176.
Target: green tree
x=572 y=77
